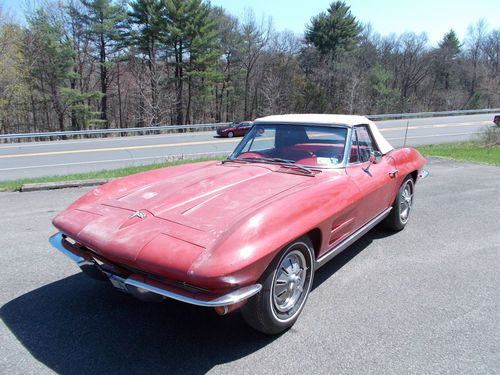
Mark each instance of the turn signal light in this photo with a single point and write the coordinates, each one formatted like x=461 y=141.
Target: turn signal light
x=221 y=310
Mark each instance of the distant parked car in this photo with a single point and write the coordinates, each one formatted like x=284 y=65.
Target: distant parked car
x=496 y=120
x=235 y=129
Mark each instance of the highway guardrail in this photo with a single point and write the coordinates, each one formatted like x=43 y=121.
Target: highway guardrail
x=169 y=128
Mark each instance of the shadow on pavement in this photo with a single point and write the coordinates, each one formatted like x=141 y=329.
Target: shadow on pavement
x=344 y=257
x=79 y=326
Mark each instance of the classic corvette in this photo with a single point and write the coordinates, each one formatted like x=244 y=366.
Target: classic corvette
x=250 y=231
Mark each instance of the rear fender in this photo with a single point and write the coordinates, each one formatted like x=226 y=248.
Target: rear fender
x=408 y=160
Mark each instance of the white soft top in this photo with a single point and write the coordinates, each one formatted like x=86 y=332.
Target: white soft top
x=324 y=119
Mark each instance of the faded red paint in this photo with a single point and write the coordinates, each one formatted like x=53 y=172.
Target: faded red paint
x=218 y=226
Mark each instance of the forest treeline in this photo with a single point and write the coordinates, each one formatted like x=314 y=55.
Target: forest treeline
x=80 y=64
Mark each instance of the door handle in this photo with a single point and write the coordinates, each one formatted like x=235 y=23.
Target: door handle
x=393 y=173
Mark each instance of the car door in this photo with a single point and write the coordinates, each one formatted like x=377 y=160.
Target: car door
x=375 y=181
x=242 y=128
x=238 y=130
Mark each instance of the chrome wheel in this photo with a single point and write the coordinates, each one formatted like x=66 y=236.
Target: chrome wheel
x=406 y=201
x=285 y=287
x=289 y=281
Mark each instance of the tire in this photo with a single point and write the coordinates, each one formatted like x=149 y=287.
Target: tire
x=285 y=287
x=401 y=209
x=230 y=134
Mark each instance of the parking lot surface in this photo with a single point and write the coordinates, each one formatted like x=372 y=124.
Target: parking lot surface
x=423 y=300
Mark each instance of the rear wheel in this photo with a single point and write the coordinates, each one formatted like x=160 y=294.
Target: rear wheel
x=285 y=287
x=401 y=209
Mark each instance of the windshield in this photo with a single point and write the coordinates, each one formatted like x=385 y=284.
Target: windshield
x=319 y=146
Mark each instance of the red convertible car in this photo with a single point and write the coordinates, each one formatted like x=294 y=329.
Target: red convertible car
x=248 y=232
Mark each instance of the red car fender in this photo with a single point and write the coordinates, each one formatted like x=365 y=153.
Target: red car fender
x=408 y=160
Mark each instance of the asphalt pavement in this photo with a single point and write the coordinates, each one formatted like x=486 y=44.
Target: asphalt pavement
x=36 y=159
x=425 y=300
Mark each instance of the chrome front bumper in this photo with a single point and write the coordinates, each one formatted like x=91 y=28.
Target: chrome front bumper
x=142 y=287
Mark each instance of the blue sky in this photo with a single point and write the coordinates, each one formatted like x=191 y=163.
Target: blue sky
x=435 y=17
x=386 y=16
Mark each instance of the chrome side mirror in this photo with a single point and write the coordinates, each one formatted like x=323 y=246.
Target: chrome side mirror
x=375 y=157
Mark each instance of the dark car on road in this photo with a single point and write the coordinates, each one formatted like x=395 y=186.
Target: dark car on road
x=235 y=129
x=496 y=120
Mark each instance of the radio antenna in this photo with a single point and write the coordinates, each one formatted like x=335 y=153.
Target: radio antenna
x=406 y=132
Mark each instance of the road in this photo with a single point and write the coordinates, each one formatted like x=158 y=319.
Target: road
x=38 y=159
x=425 y=300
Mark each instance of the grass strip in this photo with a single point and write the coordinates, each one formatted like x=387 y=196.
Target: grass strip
x=464 y=151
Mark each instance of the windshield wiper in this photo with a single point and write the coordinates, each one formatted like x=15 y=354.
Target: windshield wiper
x=284 y=162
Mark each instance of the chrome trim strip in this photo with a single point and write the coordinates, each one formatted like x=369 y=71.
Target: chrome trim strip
x=322 y=260
x=225 y=300
x=56 y=240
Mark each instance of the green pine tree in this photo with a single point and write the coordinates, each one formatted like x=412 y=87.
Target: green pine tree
x=449 y=48
x=190 y=39
x=335 y=30
x=50 y=59
x=105 y=24
x=145 y=30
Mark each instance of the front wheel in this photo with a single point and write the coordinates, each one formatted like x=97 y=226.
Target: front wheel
x=285 y=287
x=398 y=218
x=230 y=134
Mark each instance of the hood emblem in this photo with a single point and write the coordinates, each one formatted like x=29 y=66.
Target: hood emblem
x=139 y=214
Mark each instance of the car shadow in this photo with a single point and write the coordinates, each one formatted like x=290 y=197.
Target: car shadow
x=80 y=326
x=77 y=326
x=345 y=257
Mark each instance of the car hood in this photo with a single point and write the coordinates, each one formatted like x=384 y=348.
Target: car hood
x=186 y=213
x=213 y=197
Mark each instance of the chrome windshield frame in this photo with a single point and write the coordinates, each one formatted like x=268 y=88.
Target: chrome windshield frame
x=347 y=144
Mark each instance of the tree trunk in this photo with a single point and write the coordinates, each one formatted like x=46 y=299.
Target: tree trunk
x=33 y=112
x=104 y=81
x=118 y=87
x=180 y=83
x=74 y=120
x=190 y=93
x=60 y=120
x=247 y=88
x=154 y=92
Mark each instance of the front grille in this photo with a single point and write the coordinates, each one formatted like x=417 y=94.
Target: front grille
x=188 y=287
x=119 y=268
